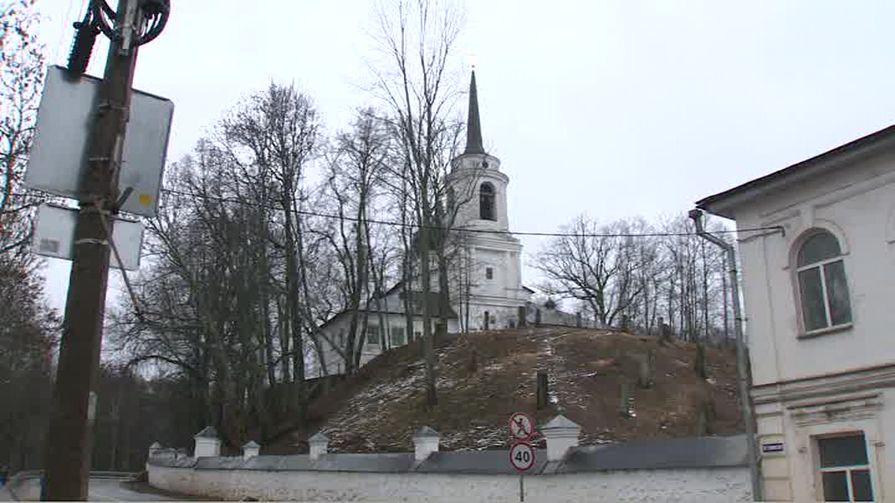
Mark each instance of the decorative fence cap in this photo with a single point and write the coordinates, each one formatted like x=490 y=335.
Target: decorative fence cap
x=251 y=445
x=426 y=432
x=318 y=438
x=560 y=422
x=208 y=432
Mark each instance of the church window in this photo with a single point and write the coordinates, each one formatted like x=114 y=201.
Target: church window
x=489 y=273
x=372 y=335
x=823 y=289
x=486 y=202
x=397 y=336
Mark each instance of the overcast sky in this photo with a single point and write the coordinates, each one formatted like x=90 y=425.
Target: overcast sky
x=611 y=108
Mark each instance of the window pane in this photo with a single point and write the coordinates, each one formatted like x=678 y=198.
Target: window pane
x=861 y=488
x=486 y=202
x=373 y=335
x=837 y=291
x=842 y=451
x=835 y=486
x=812 y=299
x=397 y=336
x=820 y=246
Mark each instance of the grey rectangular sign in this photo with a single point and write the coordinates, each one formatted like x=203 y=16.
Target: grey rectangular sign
x=59 y=150
x=54 y=233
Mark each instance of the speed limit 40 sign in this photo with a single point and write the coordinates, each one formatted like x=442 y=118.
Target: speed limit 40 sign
x=522 y=456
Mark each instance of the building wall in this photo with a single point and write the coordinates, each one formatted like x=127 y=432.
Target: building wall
x=334 y=362
x=792 y=474
x=857 y=205
x=686 y=485
x=838 y=382
x=500 y=296
x=465 y=179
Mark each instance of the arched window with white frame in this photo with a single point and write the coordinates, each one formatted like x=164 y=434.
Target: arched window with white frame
x=823 y=289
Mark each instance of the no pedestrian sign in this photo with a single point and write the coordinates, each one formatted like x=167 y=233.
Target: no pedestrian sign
x=522 y=426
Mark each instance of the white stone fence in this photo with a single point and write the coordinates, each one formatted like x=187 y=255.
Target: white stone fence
x=693 y=469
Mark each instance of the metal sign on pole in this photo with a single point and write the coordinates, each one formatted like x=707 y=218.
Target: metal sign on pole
x=521 y=426
x=522 y=453
x=54 y=232
x=522 y=456
x=100 y=199
x=57 y=161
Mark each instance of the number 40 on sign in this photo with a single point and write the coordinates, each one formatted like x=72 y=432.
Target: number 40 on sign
x=522 y=456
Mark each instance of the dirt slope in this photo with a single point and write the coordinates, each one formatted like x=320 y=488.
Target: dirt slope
x=484 y=377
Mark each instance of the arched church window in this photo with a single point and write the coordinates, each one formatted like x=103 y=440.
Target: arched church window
x=486 y=202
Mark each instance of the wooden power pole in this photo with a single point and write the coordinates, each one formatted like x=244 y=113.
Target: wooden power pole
x=70 y=437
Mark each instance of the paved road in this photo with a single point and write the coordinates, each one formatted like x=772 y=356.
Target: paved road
x=100 y=490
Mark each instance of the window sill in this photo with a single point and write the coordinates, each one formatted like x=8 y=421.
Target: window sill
x=826 y=331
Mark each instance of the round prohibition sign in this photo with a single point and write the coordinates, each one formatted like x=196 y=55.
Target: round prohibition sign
x=522 y=456
x=522 y=426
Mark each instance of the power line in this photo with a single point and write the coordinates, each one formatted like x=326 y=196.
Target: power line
x=391 y=223
x=334 y=216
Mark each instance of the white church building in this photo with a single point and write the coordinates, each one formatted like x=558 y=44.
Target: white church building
x=485 y=278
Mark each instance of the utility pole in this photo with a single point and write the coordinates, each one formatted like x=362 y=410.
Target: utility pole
x=70 y=436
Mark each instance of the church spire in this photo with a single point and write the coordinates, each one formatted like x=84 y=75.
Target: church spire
x=473 y=123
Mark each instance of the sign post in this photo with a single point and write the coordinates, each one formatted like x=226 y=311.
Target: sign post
x=522 y=453
x=99 y=158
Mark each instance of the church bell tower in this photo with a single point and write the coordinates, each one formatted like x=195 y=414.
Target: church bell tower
x=487 y=273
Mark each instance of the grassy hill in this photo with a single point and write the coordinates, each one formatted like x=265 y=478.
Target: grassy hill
x=486 y=376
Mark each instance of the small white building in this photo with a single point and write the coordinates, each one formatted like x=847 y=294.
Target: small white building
x=383 y=322
x=819 y=294
x=485 y=276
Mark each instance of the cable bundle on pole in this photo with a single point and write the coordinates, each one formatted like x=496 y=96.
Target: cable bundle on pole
x=82 y=47
x=101 y=18
x=155 y=17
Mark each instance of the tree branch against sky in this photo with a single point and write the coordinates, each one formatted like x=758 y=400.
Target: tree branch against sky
x=417 y=43
x=571 y=108
x=28 y=326
x=623 y=280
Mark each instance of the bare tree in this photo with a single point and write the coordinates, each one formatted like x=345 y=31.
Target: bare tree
x=354 y=180
x=627 y=273
x=21 y=79
x=28 y=327
x=277 y=132
x=417 y=40
x=596 y=270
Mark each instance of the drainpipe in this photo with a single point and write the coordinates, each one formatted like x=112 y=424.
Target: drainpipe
x=742 y=351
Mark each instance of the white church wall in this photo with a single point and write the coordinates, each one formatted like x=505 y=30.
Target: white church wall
x=682 y=485
x=466 y=179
